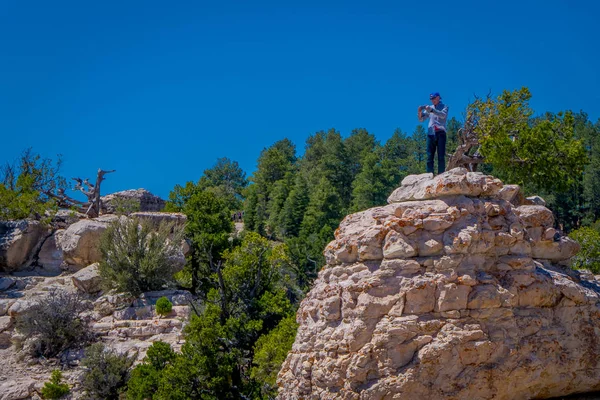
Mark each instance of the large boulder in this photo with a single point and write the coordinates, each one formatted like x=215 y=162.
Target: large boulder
x=88 y=279
x=448 y=292
x=132 y=200
x=19 y=240
x=80 y=242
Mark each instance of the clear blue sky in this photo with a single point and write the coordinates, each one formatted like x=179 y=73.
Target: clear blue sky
x=159 y=90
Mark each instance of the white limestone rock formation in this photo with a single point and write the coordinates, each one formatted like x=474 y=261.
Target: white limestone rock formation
x=448 y=292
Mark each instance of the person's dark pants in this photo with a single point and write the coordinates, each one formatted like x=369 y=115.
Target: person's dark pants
x=436 y=142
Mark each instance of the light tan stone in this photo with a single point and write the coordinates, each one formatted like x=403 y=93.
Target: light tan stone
x=520 y=248
x=88 y=279
x=17 y=389
x=437 y=222
x=562 y=250
x=517 y=231
x=80 y=242
x=398 y=245
x=509 y=192
x=420 y=298
x=452 y=297
x=533 y=215
x=5 y=323
x=457 y=181
x=535 y=233
x=370 y=244
x=549 y=234
x=405 y=267
x=539 y=294
x=458 y=242
x=339 y=251
x=430 y=247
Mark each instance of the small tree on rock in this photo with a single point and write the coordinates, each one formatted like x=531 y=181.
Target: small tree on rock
x=539 y=153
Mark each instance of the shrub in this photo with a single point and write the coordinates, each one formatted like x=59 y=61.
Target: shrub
x=54 y=389
x=26 y=184
x=163 y=306
x=145 y=377
x=137 y=258
x=589 y=255
x=270 y=351
x=106 y=372
x=125 y=206
x=53 y=323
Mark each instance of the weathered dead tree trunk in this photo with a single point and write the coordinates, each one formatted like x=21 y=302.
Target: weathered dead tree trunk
x=463 y=156
x=93 y=205
x=467 y=153
x=92 y=192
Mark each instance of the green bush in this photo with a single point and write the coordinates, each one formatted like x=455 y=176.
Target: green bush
x=124 y=206
x=145 y=378
x=106 y=372
x=26 y=185
x=270 y=351
x=137 y=258
x=53 y=323
x=163 y=306
x=54 y=389
x=589 y=255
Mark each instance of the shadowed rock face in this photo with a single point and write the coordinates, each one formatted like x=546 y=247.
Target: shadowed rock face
x=17 y=240
x=448 y=292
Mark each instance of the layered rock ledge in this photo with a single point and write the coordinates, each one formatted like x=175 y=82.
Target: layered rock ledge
x=454 y=290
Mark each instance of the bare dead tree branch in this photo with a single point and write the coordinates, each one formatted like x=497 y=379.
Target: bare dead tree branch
x=93 y=205
x=467 y=153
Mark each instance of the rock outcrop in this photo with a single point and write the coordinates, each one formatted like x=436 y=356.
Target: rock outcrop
x=138 y=199
x=80 y=242
x=26 y=244
x=449 y=292
x=18 y=240
x=88 y=279
x=123 y=323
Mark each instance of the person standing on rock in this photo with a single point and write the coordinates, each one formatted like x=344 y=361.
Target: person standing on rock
x=436 y=131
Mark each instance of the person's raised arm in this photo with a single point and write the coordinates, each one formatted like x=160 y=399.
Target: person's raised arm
x=442 y=114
